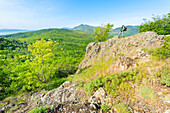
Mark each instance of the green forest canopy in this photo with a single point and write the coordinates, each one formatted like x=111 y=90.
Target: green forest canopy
x=54 y=52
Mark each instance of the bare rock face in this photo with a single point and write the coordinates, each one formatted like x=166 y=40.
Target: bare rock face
x=100 y=94
x=124 y=63
x=129 y=46
x=66 y=93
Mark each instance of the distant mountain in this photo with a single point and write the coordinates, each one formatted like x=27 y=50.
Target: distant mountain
x=66 y=28
x=131 y=30
x=84 y=28
x=11 y=31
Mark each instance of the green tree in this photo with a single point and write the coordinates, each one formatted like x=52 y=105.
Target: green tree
x=37 y=69
x=43 y=59
x=160 y=25
x=102 y=32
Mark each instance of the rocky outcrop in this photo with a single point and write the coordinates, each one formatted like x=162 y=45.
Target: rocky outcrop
x=129 y=47
x=62 y=99
x=66 y=93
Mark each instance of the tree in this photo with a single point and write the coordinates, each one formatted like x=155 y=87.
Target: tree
x=160 y=25
x=102 y=32
x=37 y=69
x=43 y=59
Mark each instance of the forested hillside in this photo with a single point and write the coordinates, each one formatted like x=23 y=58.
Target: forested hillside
x=54 y=52
x=131 y=30
x=84 y=28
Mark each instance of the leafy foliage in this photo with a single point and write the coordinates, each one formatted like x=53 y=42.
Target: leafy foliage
x=114 y=84
x=70 y=49
x=164 y=51
x=102 y=32
x=9 y=57
x=104 y=108
x=43 y=59
x=10 y=45
x=37 y=69
x=39 y=63
x=164 y=75
x=158 y=25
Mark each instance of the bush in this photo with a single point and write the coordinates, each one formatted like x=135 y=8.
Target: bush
x=102 y=32
x=158 y=25
x=162 y=52
x=164 y=75
x=94 y=85
x=114 y=84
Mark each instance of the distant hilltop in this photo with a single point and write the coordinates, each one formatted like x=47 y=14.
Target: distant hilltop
x=131 y=30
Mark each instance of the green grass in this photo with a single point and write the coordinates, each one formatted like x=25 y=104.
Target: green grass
x=89 y=73
x=121 y=108
x=148 y=93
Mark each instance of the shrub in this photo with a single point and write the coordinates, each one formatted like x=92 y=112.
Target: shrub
x=164 y=75
x=102 y=32
x=161 y=52
x=93 y=85
x=114 y=84
x=158 y=25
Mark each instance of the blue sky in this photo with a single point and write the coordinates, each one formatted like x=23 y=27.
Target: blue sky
x=40 y=14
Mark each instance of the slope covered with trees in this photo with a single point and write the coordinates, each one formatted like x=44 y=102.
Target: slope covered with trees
x=39 y=59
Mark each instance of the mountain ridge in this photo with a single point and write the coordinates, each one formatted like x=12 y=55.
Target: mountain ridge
x=82 y=27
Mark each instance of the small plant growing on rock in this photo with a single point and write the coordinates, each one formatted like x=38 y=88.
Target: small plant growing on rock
x=105 y=108
x=42 y=109
x=102 y=32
